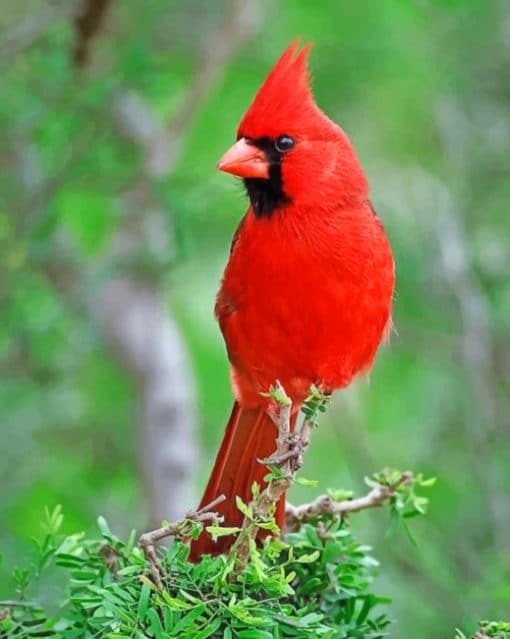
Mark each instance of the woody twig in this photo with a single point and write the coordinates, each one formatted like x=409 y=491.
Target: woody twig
x=324 y=504
x=181 y=528
x=283 y=465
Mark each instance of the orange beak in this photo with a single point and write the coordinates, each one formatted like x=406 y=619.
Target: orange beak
x=245 y=160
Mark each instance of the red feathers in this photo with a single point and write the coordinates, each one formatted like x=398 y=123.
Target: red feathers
x=249 y=436
x=284 y=98
x=306 y=295
x=324 y=165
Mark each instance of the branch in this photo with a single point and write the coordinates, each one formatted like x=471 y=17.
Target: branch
x=87 y=22
x=132 y=312
x=180 y=528
x=146 y=340
x=323 y=505
x=284 y=464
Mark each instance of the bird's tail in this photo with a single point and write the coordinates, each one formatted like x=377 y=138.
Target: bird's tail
x=250 y=435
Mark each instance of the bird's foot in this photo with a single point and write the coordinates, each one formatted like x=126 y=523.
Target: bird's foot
x=289 y=453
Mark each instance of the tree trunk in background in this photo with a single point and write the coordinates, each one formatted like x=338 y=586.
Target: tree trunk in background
x=147 y=341
x=137 y=325
x=132 y=313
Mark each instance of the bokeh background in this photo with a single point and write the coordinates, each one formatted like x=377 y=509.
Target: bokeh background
x=115 y=226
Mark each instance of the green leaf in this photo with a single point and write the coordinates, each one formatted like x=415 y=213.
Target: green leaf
x=279 y=395
x=103 y=526
x=306 y=482
x=244 y=508
x=143 y=602
x=308 y=559
x=222 y=531
x=209 y=630
x=175 y=604
x=276 y=473
x=155 y=624
x=256 y=559
x=269 y=525
x=188 y=620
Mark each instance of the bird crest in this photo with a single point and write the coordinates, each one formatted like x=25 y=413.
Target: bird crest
x=284 y=99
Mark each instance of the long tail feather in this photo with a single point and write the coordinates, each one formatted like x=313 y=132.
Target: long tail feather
x=250 y=435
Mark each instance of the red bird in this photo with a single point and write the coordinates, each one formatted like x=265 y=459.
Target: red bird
x=306 y=295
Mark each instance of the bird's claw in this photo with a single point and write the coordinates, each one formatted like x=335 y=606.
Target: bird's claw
x=291 y=452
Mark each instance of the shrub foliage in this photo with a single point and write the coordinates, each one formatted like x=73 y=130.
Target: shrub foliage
x=315 y=584
x=318 y=582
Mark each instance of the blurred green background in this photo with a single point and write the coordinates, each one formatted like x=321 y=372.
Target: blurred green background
x=115 y=226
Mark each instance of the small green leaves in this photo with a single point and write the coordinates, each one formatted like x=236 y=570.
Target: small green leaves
x=315 y=582
x=21 y=578
x=174 y=603
x=269 y=525
x=340 y=494
x=244 y=508
x=192 y=529
x=275 y=473
x=308 y=559
x=489 y=630
x=53 y=520
x=256 y=560
x=302 y=481
x=316 y=402
x=277 y=392
x=219 y=531
x=103 y=526
x=496 y=629
x=405 y=502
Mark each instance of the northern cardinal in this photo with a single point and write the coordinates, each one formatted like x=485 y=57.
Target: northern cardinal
x=306 y=294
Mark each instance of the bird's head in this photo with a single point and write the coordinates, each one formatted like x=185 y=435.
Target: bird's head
x=288 y=151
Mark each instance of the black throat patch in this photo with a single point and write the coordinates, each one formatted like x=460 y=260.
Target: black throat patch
x=266 y=195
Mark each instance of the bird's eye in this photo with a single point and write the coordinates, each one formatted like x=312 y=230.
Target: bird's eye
x=284 y=143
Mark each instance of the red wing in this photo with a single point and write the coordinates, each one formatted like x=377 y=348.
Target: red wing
x=225 y=310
